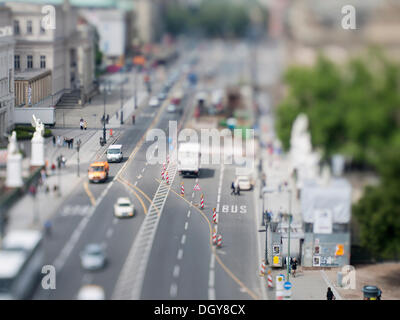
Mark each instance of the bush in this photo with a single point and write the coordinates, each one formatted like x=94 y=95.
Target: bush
x=26 y=132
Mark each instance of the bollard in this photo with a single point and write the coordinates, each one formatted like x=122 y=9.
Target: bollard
x=214 y=238
x=202 y=202
x=262 y=268
x=182 y=190
x=167 y=177
x=270 y=285
x=162 y=175
x=219 y=241
x=215 y=218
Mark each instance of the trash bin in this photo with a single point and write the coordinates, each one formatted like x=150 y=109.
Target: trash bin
x=371 y=293
x=339 y=279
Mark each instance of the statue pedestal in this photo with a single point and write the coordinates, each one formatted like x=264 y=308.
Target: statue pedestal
x=14 y=171
x=37 y=156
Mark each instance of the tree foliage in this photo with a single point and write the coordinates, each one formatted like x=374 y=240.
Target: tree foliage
x=213 y=18
x=354 y=109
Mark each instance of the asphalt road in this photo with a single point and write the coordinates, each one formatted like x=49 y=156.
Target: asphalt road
x=183 y=264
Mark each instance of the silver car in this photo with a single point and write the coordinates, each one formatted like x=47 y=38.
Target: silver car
x=93 y=257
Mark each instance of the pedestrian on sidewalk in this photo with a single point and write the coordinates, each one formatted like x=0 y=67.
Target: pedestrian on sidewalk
x=330 y=295
x=294 y=267
x=81 y=123
x=47 y=227
x=85 y=124
x=54 y=141
x=233 y=188
x=116 y=114
x=72 y=143
x=108 y=118
x=58 y=140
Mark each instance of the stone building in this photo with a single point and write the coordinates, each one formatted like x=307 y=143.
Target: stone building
x=67 y=50
x=7 y=44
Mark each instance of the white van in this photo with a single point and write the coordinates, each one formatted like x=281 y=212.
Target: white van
x=114 y=153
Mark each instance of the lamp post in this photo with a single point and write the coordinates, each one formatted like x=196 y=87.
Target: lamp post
x=267 y=224
x=135 y=69
x=122 y=102
x=78 y=146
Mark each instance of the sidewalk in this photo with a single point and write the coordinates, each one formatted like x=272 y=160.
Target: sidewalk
x=30 y=212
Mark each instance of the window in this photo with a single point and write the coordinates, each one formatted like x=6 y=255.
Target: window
x=16 y=27
x=43 y=62
x=29 y=62
x=29 y=27
x=17 y=63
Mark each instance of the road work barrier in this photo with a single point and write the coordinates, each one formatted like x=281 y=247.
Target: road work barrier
x=262 y=269
x=182 y=190
x=202 y=202
x=219 y=241
x=215 y=218
x=166 y=177
x=270 y=285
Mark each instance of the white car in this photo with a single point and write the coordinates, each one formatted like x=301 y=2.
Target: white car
x=93 y=257
x=124 y=208
x=171 y=108
x=244 y=183
x=154 y=102
x=91 y=292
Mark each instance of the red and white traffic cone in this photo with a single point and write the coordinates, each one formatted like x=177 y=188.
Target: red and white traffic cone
x=166 y=177
x=270 y=285
x=215 y=218
x=202 y=202
x=182 y=190
x=219 y=241
x=214 y=238
x=262 y=269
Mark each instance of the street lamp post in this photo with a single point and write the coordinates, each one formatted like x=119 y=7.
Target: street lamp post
x=135 y=90
x=289 y=215
x=122 y=102
x=104 y=112
x=78 y=146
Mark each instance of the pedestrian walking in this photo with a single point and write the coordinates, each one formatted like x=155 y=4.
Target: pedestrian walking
x=81 y=123
x=85 y=124
x=294 y=267
x=116 y=114
x=330 y=295
x=72 y=143
x=54 y=141
x=47 y=227
x=108 y=118
x=233 y=188
x=58 y=140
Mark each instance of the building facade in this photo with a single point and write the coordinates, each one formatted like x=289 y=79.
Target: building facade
x=65 y=48
x=7 y=44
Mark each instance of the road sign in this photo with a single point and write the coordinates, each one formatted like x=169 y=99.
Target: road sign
x=196 y=187
x=287 y=285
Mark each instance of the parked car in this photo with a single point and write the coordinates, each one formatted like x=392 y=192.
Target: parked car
x=245 y=183
x=154 y=102
x=93 y=257
x=124 y=208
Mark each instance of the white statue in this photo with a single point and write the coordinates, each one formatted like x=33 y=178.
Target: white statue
x=38 y=124
x=14 y=163
x=12 y=147
x=37 y=154
x=302 y=157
